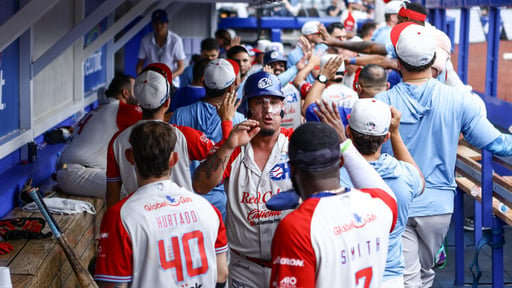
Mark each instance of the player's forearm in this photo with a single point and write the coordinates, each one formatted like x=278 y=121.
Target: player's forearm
x=287 y=75
x=103 y=284
x=380 y=60
x=360 y=171
x=210 y=172
x=367 y=47
x=222 y=268
x=179 y=70
x=302 y=75
x=113 y=193
x=401 y=153
x=140 y=65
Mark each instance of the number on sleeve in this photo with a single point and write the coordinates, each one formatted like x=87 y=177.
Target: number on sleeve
x=365 y=273
x=189 y=241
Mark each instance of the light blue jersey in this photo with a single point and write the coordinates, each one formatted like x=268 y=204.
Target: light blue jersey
x=382 y=35
x=405 y=181
x=433 y=116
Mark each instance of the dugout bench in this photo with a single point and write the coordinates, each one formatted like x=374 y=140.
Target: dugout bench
x=493 y=200
x=42 y=262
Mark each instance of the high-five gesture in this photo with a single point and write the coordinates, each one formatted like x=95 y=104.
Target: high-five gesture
x=330 y=115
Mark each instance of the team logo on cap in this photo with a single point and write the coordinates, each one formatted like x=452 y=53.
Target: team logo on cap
x=370 y=126
x=274 y=54
x=264 y=83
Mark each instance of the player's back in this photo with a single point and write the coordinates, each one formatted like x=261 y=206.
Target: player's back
x=173 y=235
x=94 y=131
x=334 y=241
x=125 y=170
x=350 y=238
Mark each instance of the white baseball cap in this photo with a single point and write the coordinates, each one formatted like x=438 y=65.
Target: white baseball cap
x=262 y=45
x=370 y=117
x=414 y=44
x=151 y=89
x=310 y=27
x=219 y=74
x=392 y=7
x=275 y=46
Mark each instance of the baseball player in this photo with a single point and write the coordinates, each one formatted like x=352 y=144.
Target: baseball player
x=371 y=124
x=162 y=235
x=254 y=167
x=338 y=237
x=219 y=80
x=433 y=116
x=152 y=91
x=82 y=165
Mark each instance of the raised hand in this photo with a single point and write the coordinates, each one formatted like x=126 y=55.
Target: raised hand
x=228 y=106
x=268 y=69
x=330 y=68
x=395 y=120
x=242 y=133
x=330 y=115
x=328 y=39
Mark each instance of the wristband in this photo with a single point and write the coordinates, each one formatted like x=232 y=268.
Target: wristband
x=352 y=61
x=220 y=285
x=345 y=145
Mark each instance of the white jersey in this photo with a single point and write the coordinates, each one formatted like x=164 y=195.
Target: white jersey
x=292 y=107
x=250 y=225
x=334 y=240
x=120 y=169
x=161 y=236
x=94 y=131
x=340 y=94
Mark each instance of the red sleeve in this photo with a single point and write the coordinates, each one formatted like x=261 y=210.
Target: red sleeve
x=221 y=243
x=304 y=89
x=227 y=126
x=287 y=132
x=114 y=255
x=127 y=115
x=235 y=154
x=293 y=256
x=113 y=171
x=388 y=200
x=198 y=144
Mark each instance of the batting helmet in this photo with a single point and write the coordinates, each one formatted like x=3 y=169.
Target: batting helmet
x=273 y=56
x=260 y=84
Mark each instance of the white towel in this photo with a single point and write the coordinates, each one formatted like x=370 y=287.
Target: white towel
x=61 y=206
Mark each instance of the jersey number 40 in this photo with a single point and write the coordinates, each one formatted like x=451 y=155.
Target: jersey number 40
x=184 y=245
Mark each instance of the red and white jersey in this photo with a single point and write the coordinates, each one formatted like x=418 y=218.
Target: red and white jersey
x=334 y=241
x=94 y=131
x=292 y=107
x=190 y=145
x=250 y=225
x=341 y=95
x=161 y=236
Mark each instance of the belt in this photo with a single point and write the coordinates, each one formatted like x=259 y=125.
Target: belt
x=261 y=262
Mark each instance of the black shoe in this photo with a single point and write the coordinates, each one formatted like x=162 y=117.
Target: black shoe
x=469 y=223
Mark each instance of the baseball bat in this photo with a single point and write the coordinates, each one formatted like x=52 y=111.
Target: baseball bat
x=84 y=278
